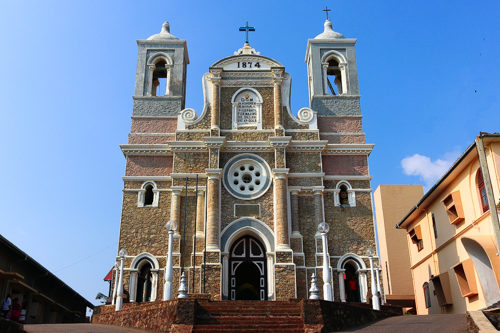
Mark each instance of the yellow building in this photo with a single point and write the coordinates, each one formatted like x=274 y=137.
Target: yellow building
x=392 y=202
x=453 y=234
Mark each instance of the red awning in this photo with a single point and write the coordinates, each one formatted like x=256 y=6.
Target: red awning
x=109 y=276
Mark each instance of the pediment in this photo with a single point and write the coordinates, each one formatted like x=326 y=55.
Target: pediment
x=246 y=63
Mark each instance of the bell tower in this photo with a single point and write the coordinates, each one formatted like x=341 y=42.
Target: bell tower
x=332 y=74
x=160 y=82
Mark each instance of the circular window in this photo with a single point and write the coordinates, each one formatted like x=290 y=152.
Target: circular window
x=247 y=176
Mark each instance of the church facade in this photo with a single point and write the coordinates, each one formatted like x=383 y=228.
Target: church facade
x=245 y=182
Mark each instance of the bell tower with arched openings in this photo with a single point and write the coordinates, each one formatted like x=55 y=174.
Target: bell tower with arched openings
x=332 y=74
x=160 y=82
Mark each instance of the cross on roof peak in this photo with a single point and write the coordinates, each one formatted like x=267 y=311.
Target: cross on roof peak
x=247 y=29
x=326 y=10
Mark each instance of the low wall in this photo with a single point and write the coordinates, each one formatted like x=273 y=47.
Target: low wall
x=323 y=316
x=160 y=316
x=180 y=315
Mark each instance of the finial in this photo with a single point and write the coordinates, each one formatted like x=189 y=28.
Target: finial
x=314 y=291
x=165 y=27
x=326 y=10
x=183 y=287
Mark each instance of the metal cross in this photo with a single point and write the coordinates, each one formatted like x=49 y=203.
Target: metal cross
x=326 y=10
x=247 y=29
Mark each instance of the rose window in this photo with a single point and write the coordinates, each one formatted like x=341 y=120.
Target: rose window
x=247 y=176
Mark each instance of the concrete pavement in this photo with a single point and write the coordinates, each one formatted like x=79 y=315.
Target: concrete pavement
x=442 y=323
x=78 y=328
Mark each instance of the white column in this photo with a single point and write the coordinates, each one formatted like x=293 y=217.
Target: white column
x=119 y=296
x=327 y=287
x=169 y=79
x=154 y=285
x=363 y=286
x=132 y=285
x=342 y=286
x=379 y=290
x=168 y=291
x=117 y=267
x=343 y=77
x=375 y=301
x=149 y=80
x=325 y=78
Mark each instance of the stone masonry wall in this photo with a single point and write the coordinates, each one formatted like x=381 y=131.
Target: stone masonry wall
x=345 y=165
x=148 y=165
x=153 y=125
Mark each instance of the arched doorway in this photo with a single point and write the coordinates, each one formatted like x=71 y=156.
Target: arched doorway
x=483 y=253
x=247 y=270
x=144 y=283
x=351 y=283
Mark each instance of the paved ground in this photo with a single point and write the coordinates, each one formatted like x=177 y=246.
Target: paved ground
x=446 y=323
x=78 y=328
x=407 y=324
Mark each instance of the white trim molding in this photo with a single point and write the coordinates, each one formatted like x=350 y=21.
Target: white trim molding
x=348 y=149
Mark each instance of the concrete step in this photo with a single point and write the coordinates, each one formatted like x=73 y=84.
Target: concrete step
x=230 y=320
x=248 y=328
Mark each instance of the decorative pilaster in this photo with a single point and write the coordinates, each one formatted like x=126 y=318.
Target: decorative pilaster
x=294 y=196
x=214 y=110
x=318 y=206
x=281 y=211
x=200 y=213
x=175 y=206
x=214 y=144
x=168 y=69
x=149 y=88
x=325 y=78
x=277 y=79
x=212 y=231
x=279 y=143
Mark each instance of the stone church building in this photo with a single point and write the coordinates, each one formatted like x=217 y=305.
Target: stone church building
x=246 y=181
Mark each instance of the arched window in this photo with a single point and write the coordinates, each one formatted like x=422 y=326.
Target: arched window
x=344 y=195
x=148 y=195
x=334 y=76
x=427 y=295
x=482 y=191
x=159 y=83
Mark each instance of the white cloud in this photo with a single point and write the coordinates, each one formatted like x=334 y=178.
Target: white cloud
x=428 y=170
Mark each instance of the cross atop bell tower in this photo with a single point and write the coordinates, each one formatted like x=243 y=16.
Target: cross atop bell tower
x=326 y=10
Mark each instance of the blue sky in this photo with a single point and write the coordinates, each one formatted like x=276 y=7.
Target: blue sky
x=428 y=73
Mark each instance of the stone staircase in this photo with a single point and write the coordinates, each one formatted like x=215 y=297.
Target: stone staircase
x=248 y=316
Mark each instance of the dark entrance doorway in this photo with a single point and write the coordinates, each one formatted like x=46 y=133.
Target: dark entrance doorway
x=247 y=270
x=351 y=283
x=144 y=283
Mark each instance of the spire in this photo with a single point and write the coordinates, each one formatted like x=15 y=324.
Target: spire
x=328 y=33
x=164 y=33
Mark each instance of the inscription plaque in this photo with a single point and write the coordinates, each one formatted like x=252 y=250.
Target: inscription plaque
x=246 y=108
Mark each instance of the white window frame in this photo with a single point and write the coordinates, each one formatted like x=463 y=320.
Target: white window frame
x=350 y=192
x=141 y=195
